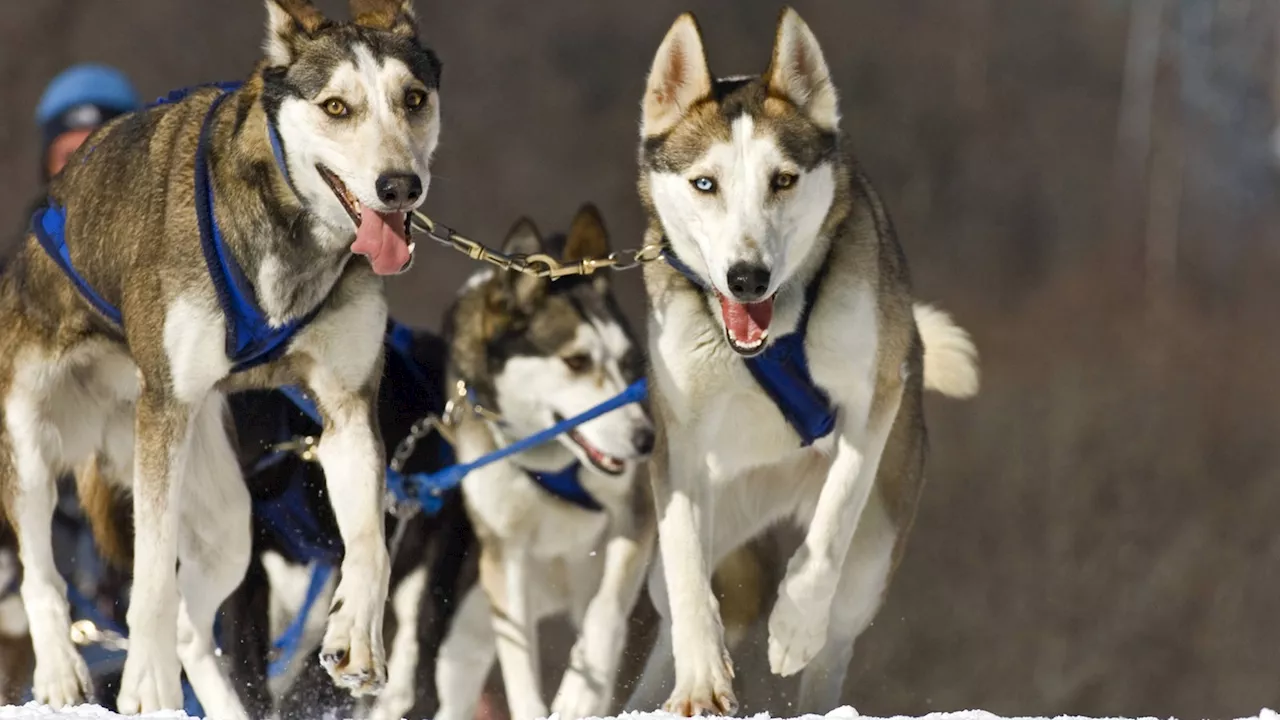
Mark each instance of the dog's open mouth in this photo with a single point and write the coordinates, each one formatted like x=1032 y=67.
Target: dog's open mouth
x=746 y=325
x=382 y=237
x=602 y=461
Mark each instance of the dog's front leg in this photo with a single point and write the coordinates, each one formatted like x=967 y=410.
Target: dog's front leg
x=151 y=671
x=351 y=456
x=587 y=687
x=504 y=575
x=798 y=624
x=704 y=671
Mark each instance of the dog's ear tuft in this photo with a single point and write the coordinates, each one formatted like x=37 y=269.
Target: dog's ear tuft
x=678 y=78
x=394 y=16
x=288 y=22
x=587 y=236
x=799 y=73
x=524 y=290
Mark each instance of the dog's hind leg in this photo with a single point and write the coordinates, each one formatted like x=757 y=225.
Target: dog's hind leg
x=61 y=675
x=150 y=682
x=654 y=685
x=466 y=655
x=863 y=581
x=214 y=545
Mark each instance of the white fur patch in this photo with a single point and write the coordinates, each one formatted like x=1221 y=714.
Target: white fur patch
x=195 y=341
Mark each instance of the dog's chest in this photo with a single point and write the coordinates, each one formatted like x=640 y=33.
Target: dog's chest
x=718 y=406
x=507 y=501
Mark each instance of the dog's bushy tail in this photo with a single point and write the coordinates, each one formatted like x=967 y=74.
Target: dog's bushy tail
x=950 y=358
x=108 y=517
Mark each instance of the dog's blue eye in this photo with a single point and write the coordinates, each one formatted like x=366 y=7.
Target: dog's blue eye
x=704 y=184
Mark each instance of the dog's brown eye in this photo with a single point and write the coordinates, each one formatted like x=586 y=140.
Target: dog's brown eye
x=577 y=363
x=335 y=108
x=415 y=99
x=783 y=180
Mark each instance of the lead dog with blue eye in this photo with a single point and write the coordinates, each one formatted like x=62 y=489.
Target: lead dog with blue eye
x=788 y=358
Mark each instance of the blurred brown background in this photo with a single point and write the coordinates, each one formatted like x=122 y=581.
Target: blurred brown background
x=1089 y=185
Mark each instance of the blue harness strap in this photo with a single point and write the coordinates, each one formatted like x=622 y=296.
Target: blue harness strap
x=49 y=224
x=287 y=644
x=782 y=370
x=251 y=338
x=567 y=485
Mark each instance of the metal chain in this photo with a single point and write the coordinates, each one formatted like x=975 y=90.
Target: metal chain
x=85 y=632
x=304 y=446
x=539 y=264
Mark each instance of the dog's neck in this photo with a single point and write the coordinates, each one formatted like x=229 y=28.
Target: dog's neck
x=551 y=456
x=291 y=258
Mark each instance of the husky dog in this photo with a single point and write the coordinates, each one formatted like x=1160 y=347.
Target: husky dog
x=563 y=527
x=203 y=246
x=787 y=364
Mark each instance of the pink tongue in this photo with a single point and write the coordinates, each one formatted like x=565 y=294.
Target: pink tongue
x=746 y=323
x=381 y=238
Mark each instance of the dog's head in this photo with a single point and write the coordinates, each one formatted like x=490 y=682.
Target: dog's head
x=741 y=172
x=357 y=109
x=543 y=351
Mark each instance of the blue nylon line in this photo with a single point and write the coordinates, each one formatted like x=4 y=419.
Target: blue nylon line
x=288 y=642
x=441 y=481
x=450 y=477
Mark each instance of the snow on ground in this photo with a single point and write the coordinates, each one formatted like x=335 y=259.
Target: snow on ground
x=31 y=711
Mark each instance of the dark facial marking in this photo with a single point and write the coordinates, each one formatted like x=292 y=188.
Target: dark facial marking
x=710 y=121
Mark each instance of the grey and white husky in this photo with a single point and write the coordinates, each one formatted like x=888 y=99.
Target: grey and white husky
x=563 y=528
x=788 y=361
x=195 y=248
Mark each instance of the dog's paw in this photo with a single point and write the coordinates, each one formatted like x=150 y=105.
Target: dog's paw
x=394 y=704
x=580 y=696
x=62 y=679
x=352 y=651
x=797 y=626
x=150 y=683
x=708 y=690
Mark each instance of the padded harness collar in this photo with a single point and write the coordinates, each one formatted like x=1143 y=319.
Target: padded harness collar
x=782 y=370
x=251 y=338
x=567 y=486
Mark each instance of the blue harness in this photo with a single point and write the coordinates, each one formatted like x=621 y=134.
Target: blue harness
x=566 y=485
x=782 y=370
x=251 y=338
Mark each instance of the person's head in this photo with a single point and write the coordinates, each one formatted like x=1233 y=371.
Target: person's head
x=76 y=102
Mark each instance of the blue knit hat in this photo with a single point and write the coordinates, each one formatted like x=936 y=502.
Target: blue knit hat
x=84 y=96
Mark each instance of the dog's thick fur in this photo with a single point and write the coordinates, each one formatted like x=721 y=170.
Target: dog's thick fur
x=148 y=400
x=535 y=351
x=754 y=173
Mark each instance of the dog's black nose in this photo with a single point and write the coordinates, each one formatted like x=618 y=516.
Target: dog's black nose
x=748 y=281
x=642 y=439
x=397 y=189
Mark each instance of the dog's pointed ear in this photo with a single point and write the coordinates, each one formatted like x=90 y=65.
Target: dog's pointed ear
x=394 y=16
x=288 y=23
x=587 y=236
x=678 y=78
x=524 y=290
x=799 y=73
